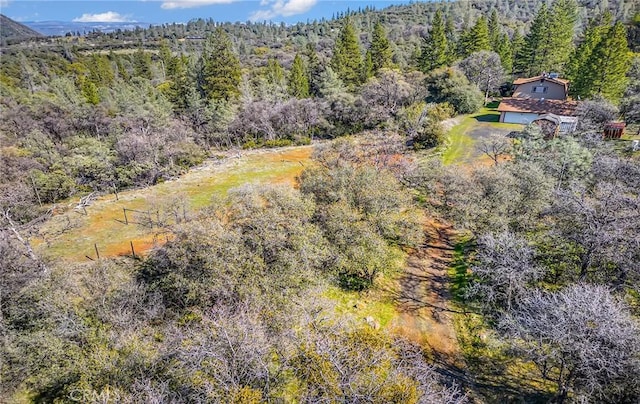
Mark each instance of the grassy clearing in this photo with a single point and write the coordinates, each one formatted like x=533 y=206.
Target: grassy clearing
x=461 y=140
x=71 y=236
x=378 y=303
x=459 y=271
x=460 y=144
x=373 y=304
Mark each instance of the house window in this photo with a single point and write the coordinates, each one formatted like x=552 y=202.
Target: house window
x=540 y=89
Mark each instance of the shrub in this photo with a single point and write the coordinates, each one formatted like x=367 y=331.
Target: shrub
x=431 y=134
x=278 y=143
x=450 y=85
x=440 y=112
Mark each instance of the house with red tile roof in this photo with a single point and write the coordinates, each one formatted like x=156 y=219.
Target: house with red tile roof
x=540 y=96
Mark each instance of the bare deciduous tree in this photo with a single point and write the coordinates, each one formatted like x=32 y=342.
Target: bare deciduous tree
x=485 y=70
x=505 y=269
x=495 y=147
x=581 y=338
x=603 y=222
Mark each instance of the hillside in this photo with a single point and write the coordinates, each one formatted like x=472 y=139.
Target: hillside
x=12 y=30
x=330 y=211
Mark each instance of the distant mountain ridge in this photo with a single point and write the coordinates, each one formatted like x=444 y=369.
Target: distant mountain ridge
x=60 y=28
x=10 y=29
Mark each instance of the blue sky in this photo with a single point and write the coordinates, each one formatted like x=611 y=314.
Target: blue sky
x=161 y=11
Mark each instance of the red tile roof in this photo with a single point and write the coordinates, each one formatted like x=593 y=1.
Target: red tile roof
x=532 y=105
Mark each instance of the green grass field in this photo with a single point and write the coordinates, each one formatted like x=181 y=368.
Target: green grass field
x=71 y=235
x=462 y=138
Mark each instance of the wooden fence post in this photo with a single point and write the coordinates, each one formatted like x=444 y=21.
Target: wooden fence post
x=126 y=220
x=97 y=252
x=133 y=252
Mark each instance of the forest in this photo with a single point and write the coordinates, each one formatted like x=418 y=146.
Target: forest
x=257 y=294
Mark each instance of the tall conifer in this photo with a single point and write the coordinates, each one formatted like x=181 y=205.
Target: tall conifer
x=274 y=72
x=517 y=45
x=560 y=45
x=465 y=42
x=435 y=50
x=347 y=58
x=182 y=90
x=495 y=34
x=532 y=54
x=450 y=34
x=480 y=36
x=581 y=57
x=314 y=70
x=142 y=64
x=298 y=79
x=549 y=44
x=503 y=48
x=368 y=68
x=221 y=71
x=380 y=50
x=165 y=56
x=609 y=64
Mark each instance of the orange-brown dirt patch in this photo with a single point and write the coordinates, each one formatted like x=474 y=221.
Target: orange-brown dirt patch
x=72 y=236
x=425 y=314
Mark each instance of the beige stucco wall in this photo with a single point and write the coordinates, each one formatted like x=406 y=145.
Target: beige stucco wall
x=554 y=92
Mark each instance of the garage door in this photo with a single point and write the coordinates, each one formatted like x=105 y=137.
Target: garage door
x=519 y=117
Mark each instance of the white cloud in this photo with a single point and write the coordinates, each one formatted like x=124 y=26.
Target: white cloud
x=109 y=16
x=168 y=5
x=4 y=3
x=284 y=8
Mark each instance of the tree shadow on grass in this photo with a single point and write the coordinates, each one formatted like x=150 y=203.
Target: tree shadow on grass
x=487 y=380
x=488 y=118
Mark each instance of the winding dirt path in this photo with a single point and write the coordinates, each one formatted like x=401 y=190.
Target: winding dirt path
x=423 y=299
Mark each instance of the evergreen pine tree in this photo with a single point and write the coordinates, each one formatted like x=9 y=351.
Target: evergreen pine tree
x=122 y=71
x=450 y=34
x=577 y=66
x=142 y=64
x=549 y=44
x=347 y=59
x=435 y=48
x=272 y=85
x=100 y=72
x=368 y=68
x=298 y=79
x=479 y=36
x=503 y=48
x=314 y=70
x=274 y=73
x=495 y=35
x=220 y=68
x=181 y=90
x=474 y=39
x=517 y=45
x=559 y=38
x=90 y=92
x=608 y=65
x=380 y=51
x=165 y=56
x=330 y=84
x=465 y=42
x=533 y=53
